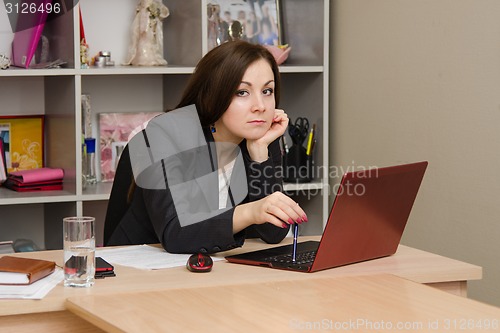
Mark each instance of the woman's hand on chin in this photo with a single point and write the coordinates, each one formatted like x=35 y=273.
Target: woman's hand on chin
x=258 y=148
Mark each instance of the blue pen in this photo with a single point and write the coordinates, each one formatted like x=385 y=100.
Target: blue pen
x=295 y=236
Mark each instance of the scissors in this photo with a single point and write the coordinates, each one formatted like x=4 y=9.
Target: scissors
x=298 y=131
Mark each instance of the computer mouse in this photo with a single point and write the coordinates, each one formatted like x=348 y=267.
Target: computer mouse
x=25 y=245
x=199 y=263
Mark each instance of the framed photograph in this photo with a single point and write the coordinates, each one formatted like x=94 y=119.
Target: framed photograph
x=115 y=130
x=256 y=21
x=23 y=141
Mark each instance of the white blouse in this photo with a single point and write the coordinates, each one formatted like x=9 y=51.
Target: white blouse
x=224 y=179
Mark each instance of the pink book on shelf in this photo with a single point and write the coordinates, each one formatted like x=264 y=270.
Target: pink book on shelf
x=28 y=33
x=3 y=166
x=37 y=175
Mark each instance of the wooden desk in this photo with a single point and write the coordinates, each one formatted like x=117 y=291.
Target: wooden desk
x=381 y=303
x=409 y=263
x=48 y=322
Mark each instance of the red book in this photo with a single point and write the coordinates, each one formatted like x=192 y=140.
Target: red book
x=34 y=187
x=41 y=179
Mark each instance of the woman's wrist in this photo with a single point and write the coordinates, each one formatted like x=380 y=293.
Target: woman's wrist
x=242 y=217
x=258 y=152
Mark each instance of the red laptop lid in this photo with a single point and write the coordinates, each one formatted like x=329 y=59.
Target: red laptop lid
x=369 y=214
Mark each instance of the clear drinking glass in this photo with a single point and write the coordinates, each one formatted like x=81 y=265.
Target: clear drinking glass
x=79 y=251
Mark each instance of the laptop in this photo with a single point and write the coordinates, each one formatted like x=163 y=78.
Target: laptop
x=367 y=220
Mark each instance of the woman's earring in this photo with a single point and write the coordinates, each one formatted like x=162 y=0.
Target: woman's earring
x=212 y=128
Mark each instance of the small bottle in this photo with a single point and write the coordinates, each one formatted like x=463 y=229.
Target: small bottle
x=84 y=152
x=89 y=162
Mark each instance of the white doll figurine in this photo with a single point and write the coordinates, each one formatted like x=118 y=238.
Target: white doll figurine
x=146 y=48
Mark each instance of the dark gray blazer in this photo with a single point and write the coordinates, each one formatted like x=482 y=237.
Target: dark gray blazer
x=150 y=217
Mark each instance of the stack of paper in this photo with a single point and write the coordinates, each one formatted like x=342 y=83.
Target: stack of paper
x=144 y=257
x=36 y=290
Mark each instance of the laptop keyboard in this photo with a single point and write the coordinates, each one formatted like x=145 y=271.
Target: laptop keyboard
x=301 y=258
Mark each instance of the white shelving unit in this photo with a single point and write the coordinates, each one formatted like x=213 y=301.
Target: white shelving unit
x=56 y=93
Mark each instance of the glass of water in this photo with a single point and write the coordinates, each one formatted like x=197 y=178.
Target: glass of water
x=79 y=251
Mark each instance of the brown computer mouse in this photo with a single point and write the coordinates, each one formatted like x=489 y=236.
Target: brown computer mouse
x=199 y=263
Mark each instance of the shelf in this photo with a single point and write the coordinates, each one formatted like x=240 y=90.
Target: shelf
x=131 y=70
x=301 y=69
x=96 y=192
x=13 y=71
x=101 y=191
x=56 y=93
x=9 y=197
x=296 y=187
x=135 y=70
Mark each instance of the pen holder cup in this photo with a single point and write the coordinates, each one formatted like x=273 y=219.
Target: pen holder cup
x=298 y=166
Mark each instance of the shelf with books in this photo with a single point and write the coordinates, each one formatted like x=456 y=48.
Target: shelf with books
x=56 y=94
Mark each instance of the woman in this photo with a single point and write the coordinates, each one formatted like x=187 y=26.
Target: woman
x=235 y=88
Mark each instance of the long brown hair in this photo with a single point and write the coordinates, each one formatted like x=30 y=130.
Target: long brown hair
x=216 y=78
x=219 y=73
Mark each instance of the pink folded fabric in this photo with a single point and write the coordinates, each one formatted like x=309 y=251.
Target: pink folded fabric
x=37 y=175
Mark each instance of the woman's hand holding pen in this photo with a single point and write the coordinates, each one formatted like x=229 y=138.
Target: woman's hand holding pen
x=258 y=148
x=277 y=208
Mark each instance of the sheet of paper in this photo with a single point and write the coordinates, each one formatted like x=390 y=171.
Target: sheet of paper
x=143 y=257
x=36 y=290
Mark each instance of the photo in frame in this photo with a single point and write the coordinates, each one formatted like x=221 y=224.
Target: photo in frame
x=255 y=21
x=115 y=130
x=23 y=141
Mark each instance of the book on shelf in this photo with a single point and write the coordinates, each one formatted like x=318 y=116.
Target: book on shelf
x=37 y=175
x=41 y=179
x=3 y=163
x=33 y=188
x=19 y=270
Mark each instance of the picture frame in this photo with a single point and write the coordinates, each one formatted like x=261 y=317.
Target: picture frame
x=256 y=21
x=115 y=130
x=23 y=140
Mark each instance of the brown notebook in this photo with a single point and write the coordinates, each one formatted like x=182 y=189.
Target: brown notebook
x=17 y=270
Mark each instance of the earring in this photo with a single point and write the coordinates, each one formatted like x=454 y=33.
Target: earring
x=212 y=128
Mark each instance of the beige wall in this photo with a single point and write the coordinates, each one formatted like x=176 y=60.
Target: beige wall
x=420 y=80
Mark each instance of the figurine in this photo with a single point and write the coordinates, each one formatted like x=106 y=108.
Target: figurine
x=84 y=54
x=146 y=48
x=4 y=61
